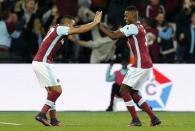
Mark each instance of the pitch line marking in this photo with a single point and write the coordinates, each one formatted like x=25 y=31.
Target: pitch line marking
x=7 y=123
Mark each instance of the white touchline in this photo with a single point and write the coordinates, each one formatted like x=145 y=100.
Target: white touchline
x=7 y=123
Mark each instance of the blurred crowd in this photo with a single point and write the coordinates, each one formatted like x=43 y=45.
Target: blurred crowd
x=169 y=24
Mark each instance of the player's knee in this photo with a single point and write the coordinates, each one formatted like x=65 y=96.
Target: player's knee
x=60 y=90
x=57 y=89
x=134 y=93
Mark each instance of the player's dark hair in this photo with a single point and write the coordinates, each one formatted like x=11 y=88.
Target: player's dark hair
x=131 y=8
x=64 y=17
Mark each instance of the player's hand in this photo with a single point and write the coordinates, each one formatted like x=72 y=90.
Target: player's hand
x=98 y=17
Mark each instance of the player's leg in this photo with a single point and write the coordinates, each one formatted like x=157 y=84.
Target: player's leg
x=41 y=116
x=53 y=93
x=125 y=93
x=113 y=92
x=142 y=76
x=47 y=78
x=52 y=112
x=53 y=115
x=142 y=104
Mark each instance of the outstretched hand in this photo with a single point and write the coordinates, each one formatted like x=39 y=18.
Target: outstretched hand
x=98 y=17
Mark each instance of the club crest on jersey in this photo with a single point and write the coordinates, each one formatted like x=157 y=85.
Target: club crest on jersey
x=157 y=89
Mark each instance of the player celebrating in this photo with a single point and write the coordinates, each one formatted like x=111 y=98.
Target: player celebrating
x=44 y=70
x=139 y=72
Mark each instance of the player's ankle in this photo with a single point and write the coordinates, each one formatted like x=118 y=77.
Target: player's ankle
x=54 y=119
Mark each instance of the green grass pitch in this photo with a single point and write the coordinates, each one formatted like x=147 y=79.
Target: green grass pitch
x=98 y=121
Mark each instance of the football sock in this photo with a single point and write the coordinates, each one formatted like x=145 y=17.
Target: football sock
x=45 y=109
x=130 y=104
x=52 y=114
x=52 y=111
x=143 y=105
x=51 y=98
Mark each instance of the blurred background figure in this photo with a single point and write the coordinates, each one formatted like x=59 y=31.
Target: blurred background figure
x=165 y=39
x=7 y=33
x=191 y=49
x=154 y=8
x=35 y=37
x=186 y=41
x=116 y=77
x=50 y=17
x=103 y=49
x=151 y=36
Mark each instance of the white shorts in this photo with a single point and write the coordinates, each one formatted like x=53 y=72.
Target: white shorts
x=46 y=74
x=136 y=77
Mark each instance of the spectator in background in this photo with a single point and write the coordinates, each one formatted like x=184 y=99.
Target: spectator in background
x=165 y=39
x=183 y=17
x=103 y=49
x=172 y=7
x=50 y=17
x=44 y=6
x=154 y=8
x=27 y=15
x=117 y=77
x=27 y=11
x=35 y=37
x=191 y=51
x=186 y=39
x=151 y=37
x=7 y=32
x=182 y=30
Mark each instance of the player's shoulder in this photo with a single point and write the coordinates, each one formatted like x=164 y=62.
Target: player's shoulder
x=52 y=28
x=130 y=27
x=139 y=24
x=62 y=30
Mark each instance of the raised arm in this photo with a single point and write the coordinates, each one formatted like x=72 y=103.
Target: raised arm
x=125 y=31
x=112 y=34
x=86 y=27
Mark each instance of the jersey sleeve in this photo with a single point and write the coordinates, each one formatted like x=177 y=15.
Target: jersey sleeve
x=128 y=30
x=62 y=30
